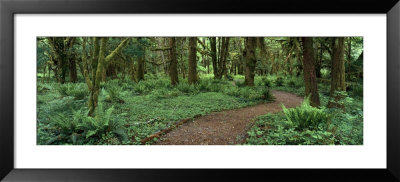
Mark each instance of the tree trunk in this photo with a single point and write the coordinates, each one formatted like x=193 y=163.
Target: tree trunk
x=310 y=80
x=348 y=59
x=192 y=74
x=250 y=60
x=72 y=70
x=213 y=43
x=97 y=62
x=241 y=57
x=59 y=47
x=140 y=63
x=173 y=67
x=224 y=46
x=132 y=69
x=319 y=62
x=338 y=72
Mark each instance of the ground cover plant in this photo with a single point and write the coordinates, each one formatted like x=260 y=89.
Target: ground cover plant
x=199 y=90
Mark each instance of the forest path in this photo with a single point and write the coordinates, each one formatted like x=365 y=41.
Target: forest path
x=226 y=127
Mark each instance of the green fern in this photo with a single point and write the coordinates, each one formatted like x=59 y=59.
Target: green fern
x=80 y=126
x=114 y=93
x=305 y=116
x=78 y=91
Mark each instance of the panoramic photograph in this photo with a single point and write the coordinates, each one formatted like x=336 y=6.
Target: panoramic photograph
x=199 y=91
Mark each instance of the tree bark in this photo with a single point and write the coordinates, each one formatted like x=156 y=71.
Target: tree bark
x=241 y=57
x=173 y=67
x=250 y=60
x=224 y=51
x=60 y=47
x=192 y=74
x=338 y=72
x=213 y=43
x=72 y=70
x=310 y=80
x=97 y=62
x=140 y=63
x=319 y=62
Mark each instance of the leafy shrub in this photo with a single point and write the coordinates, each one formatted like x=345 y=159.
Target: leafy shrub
x=62 y=105
x=265 y=82
x=113 y=93
x=79 y=128
x=128 y=85
x=357 y=90
x=165 y=93
x=229 y=77
x=95 y=126
x=292 y=84
x=279 y=81
x=248 y=93
x=78 y=90
x=62 y=89
x=274 y=129
x=340 y=99
x=187 y=88
x=140 y=88
x=232 y=91
x=305 y=116
x=204 y=85
x=239 y=83
x=348 y=127
x=43 y=87
x=325 y=73
x=216 y=87
x=266 y=94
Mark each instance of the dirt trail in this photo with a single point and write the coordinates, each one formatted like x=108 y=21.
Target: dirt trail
x=226 y=127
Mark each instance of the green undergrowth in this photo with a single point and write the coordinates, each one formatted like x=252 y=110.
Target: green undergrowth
x=129 y=112
x=306 y=125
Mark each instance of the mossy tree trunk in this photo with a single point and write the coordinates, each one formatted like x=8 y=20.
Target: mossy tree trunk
x=241 y=57
x=140 y=62
x=318 y=61
x=310 y=79
x=93 y=75
x=250 y=60
x=223 y=56
x=192 y=74
x=61 y=55
x=338 y=72
x=173 y=67
x=72 y=70
x=213 y=44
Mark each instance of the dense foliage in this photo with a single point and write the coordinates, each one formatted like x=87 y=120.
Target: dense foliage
x=121 y=90
x=130 y=111
x=306 y=125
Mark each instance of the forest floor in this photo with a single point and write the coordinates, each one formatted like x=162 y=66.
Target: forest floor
x=226 y=127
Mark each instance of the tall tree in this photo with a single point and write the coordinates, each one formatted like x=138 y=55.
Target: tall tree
x=223 y=55
x=61 y=48
x=241 y=56
x=173 y=67
x=98 y=58
x=192 y=74
x=318 y=61
x=213 y=44
x=250 y=60
x=219 y=56
x=310 y=80
x=141 y=60
x=338 y=72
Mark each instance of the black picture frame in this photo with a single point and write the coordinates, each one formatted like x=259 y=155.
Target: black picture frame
x=8 y=8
